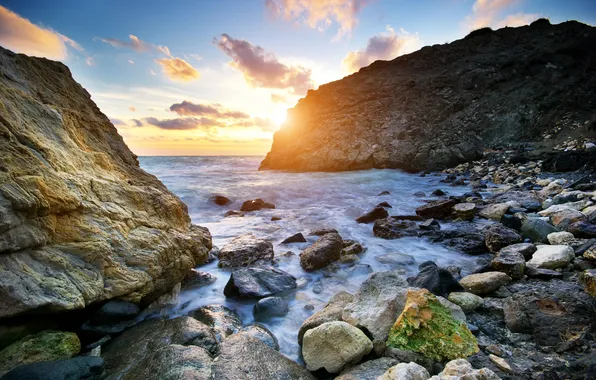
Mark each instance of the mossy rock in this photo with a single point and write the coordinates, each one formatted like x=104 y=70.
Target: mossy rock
x=46 y=346
x=427 y=327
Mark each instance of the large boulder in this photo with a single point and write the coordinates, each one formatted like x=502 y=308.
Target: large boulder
x=536 y=229
x=376 y=305
x=80 y=221
x=331 y=312
x=257 y=282
x=552 y=256
x=255 y=205
x=438 y=281
x=244 y=357
x=222 y=320
x=42 y=347
x=128 y=355
x=322 y=253
x=333 y=346
x=245 y=250
x=427 y=327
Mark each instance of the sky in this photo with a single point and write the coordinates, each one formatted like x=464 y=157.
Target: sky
x=215 y=77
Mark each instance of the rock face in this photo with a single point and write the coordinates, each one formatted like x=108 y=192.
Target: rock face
x=388 y=115
x=80 y=221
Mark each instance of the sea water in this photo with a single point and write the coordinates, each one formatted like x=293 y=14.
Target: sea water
x=304 y=202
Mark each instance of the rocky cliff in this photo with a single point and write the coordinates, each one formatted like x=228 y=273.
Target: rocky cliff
x=444 y=104
x=80 y=222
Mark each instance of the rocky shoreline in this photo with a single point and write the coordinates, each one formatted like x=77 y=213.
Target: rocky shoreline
x=525 y=313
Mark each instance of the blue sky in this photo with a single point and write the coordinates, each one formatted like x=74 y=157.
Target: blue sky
x=215 y=76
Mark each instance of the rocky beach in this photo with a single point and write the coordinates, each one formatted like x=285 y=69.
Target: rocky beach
x=478 y=261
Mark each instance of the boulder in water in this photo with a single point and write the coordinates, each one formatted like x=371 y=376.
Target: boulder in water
x=255 y=205
x=271 y=307
x=374 y=214
x=245 y=250
x=322 y=253
x=439 y=209
x=220 y=200
x=258 y=282
x=296 y=238
x=222 y=320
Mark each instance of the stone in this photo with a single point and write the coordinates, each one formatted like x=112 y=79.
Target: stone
x=42 y=347
x=196 y=279
x=511 y=263
x=537 y=229
x=560 y=238
x=396 y=260
x=429 y=224
x=384 y=204
x=351 y=247
x=81 y=367
x=588 y=279
x=484 y=283
x=385 y=192
x=230 y=213
x=419 y=194
x=495 y=211
x=377 y=304
x=221 y=319
x=582 y=230
x=566 y=206
x=271 y=307
x=323 y=231
x=369 y=370
x=439 y=209
x=154 y=343
x=220 y=200
x=406 y=371
x=464 y=211
x=437 y=193
x=296 y=238
x=115 y=311
x=244 y=357
x=590 y=253
x=563 y=218
x=467 y=301
x=322 y=253
x=255 y=205
x=462 y=237
x=245 y=250
x=552 y=256
x=554 y=313
x=462 y=369
x=427 y=327
x=262 y=333
x=258 y=282
x=393 y=228
x=542 y=273
x=525 y=249
x=333 y=346
x=172 y=361
x=331 y=312
x=374 y=214
x=437 y=280
x=80 y=222
x=500 y=362
x=498 y=236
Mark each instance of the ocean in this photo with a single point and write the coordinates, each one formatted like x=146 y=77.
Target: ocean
x=305 y=202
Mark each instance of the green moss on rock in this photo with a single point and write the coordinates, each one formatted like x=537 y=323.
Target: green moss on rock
x=427 y=327
x=46 y=346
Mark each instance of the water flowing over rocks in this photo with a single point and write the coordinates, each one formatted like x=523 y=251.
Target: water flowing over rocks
x=80 y=222
x=424 y=111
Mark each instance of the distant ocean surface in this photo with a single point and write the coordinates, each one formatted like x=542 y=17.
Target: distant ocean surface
x=304 y=201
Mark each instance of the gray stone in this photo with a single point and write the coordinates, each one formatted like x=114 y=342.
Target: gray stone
x=331 y=312
x=333 y=346
x=245 y=250
x=369 y=370
x=552 y=256
x=498 y=236
x=559 y=238
x=525 y=249
x=511 y=263
x=406 y=371
x=222 y=320
x=467 y=301
x=258 y=282
x=81 y=367
x=484 y=283
x=271 y=307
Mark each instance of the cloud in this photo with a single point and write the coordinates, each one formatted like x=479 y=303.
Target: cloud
x=181 y=124
x=263 y=69
x=131 y=61
x=21 y=35
x=137 y=122
x=278 y=98
x=319 y=14
x=178 y=69
x=187 y=108
x=117 y=122
x=135 y=43
x=90 y=61
x=133 y=109
x=491 y=13
x=384 y=46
